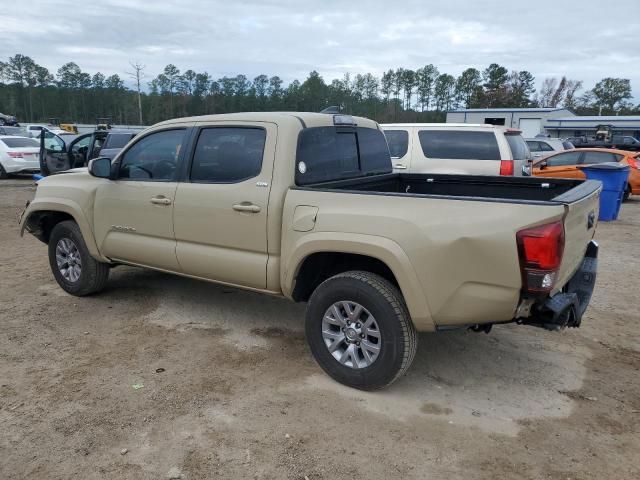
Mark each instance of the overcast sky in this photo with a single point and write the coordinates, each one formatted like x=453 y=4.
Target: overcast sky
x=585 y=40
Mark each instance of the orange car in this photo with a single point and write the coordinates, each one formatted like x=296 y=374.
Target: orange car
x=565 y=164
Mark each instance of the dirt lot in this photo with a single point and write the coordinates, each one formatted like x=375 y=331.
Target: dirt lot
x=241 y=397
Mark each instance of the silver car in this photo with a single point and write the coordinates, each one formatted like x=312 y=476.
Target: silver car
x=543 y=147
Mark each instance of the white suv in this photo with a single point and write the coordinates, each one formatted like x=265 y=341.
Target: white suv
x=456 y=148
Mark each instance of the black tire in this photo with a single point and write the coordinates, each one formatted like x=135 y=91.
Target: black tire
x=93 y=275
x=3 y=173
x=385 y=303
x=627 y=194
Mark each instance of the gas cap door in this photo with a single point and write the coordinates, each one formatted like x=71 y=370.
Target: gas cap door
x=304 y=218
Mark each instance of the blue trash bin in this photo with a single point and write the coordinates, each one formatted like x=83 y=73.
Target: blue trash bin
x=614 y=177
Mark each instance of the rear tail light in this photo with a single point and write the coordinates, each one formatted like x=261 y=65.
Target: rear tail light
x=540 y=250
x=634 y=163
x=15 y=154
x=506 y=168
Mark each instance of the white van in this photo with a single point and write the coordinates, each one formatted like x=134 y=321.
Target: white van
x=456 y=148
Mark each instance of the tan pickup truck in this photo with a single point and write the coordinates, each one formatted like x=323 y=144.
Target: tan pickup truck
x=306 y=206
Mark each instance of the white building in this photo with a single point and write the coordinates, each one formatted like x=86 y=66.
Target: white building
x=531 y=121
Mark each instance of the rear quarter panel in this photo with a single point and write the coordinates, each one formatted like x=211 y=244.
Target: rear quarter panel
x=456 y=260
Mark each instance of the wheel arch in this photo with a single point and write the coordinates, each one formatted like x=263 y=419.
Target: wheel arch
x=319 y=256
x=40 y=218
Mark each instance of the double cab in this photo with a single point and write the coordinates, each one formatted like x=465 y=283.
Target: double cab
x=307 y=206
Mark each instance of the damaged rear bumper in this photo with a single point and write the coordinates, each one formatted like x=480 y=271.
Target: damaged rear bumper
x=565 y=309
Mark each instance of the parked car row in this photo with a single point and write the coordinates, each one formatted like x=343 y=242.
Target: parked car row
x=56 y=151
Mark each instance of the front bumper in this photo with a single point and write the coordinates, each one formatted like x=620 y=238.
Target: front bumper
x=565 y=309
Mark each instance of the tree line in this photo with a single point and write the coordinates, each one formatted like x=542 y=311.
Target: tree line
x=33 y=93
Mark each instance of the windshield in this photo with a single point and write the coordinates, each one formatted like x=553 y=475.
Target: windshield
x=335 y=153
x=19 y=142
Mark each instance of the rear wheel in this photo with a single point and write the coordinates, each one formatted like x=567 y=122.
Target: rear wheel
x=359 y=330
x=73 y=267
x=3 y=173
x=627 y=194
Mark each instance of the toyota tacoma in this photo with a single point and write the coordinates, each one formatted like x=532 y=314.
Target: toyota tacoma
x=307 y=206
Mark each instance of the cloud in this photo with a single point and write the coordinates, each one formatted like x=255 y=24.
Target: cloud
x=291 y=38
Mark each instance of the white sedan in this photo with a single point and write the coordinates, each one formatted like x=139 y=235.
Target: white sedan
x=18 y=155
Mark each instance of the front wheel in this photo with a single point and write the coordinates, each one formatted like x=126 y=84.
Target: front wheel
x=359 y=330
x=73 y=267
x=627 y=194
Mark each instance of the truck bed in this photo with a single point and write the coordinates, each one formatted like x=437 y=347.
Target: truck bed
x=468 y=187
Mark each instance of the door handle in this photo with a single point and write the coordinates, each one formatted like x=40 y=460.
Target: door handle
x=246 y=207
x=161 y=200
x=400 y=166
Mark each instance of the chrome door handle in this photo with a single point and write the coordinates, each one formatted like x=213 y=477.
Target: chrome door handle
x=400 y=166
x=161 y=200
x=246 y=207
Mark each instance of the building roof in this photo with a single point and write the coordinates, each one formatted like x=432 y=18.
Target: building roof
x=622 y=122
x=598 y=119
x=507 y=110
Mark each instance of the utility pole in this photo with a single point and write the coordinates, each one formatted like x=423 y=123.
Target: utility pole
x=137 y=75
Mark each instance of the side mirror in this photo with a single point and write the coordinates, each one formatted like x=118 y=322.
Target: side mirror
x=542 y=165
x=100 y=167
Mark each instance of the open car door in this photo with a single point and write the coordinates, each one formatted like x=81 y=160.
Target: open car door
x=63 y=152
x=53 y=153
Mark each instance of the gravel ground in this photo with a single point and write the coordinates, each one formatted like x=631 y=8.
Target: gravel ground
x=165 y=377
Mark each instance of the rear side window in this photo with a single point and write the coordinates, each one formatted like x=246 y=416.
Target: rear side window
x=335 y=153
x=519 y=149
x=20 y=142
x=533 y=145
x=117 y=140
x=600 y=157
x=545 y=147
x=459 y=145
x=570 y=158
x=228 y=154
x=398 y=141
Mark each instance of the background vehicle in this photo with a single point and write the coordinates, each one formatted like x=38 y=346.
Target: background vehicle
x=566 y=165
x=305 y=205
x=34 y=130
x=457 y=148
x=605 y=139
x=115 y=141
x=8 y=120
x=62 y=151
x=19 y=131
x=543 y=147
x=18 y=155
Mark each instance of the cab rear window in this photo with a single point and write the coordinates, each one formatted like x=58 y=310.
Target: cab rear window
x=336 y=153
x=459 y=145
